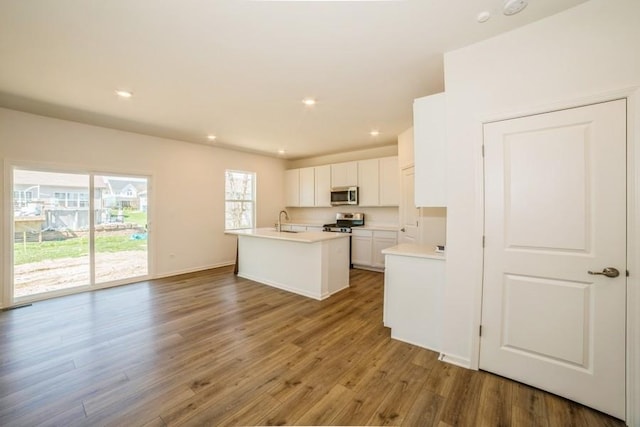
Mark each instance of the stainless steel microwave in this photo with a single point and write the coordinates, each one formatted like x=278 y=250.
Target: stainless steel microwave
x=344 y=196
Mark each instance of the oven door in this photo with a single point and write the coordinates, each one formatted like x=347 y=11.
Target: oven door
x=339 y=196
x=344 y=196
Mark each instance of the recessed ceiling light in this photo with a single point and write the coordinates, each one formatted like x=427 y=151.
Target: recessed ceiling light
x=309 y=102
x=281 y=152
x=211 y=137
x=374 y=132
x=124 y=93
x=483 y=16
x=511 y=7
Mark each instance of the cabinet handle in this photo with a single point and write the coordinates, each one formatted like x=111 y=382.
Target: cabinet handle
x=402 y=229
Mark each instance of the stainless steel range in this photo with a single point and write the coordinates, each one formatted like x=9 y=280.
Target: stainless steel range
x=344 y=222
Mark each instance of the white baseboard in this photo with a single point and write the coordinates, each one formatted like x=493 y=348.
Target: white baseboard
x=463 y=362
x=193 y=270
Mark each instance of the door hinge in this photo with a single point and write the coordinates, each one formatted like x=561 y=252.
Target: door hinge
x=627 y=273
x=480 y=331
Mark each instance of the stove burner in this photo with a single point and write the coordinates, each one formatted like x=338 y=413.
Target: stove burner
x=336 y=229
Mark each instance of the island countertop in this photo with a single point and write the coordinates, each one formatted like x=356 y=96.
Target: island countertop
x=299 y=236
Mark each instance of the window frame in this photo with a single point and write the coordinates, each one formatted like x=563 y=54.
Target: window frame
x=252 y=201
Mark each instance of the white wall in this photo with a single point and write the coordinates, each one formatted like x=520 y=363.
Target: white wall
x=586 y=51
x=187 y=182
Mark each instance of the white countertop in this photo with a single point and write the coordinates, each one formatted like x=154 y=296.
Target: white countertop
x=301 y=237
x=413 y=250
x=380 y=227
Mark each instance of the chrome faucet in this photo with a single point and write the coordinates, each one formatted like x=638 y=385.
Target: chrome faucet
x=286 y=216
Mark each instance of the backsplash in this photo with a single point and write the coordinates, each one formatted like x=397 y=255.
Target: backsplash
x=378 y=216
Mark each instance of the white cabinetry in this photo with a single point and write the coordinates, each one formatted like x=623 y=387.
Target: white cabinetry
x=413 y=293
x=361 y=247
x=379 y=182
x=344 y=174
x=367 y=246
x=368 y=177
x=292 y=187
x=429 y=150
x=389 y=180
x=307 y=187
x=323 y=185
x=382 y=240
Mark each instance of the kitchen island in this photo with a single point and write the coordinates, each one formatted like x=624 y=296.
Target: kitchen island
x=313 y=263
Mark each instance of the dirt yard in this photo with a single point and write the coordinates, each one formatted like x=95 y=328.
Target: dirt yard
x=67 y=273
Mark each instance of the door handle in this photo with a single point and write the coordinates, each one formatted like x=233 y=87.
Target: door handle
x=402 y=229
x=609 y=272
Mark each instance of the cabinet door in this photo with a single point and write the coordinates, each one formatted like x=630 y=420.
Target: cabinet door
x=323 y=185
x=361 y=247
x=382 y=240
x=405 y=149
x=369 y=183
x=292 y=187
x=429 y=150
x=307 y=187
x=344 y=174
x=389 y=179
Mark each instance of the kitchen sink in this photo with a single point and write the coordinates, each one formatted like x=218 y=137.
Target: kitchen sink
x=288 y=231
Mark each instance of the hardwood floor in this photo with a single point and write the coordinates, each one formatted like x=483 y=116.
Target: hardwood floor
x=209 y=348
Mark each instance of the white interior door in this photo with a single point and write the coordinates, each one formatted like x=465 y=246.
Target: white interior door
x=555 y=209
x=408 y=211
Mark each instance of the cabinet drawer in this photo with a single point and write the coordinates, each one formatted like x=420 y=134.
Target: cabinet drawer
x=361 y=233
x=385 y=234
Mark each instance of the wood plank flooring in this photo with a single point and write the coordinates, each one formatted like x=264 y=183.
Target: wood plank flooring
x=210 y=348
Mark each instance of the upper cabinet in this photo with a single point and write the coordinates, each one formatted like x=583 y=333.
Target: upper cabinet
x=323 y=185
x=429 y=150
x=307 y=187
x=389 y=181
x=292 y=187
x=379 y=182
x=369 y=184
x=344 y=174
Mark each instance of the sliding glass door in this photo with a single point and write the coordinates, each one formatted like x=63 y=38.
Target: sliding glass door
x=76 y=230
x=51 y=240
x=120 y=227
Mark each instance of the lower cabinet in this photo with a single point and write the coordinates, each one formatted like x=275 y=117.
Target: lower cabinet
x=413 y=292
x=367 y=246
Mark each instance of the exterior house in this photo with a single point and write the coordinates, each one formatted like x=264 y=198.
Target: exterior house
x=125 y=193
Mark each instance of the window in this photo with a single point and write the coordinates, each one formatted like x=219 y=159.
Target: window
x=240 y=197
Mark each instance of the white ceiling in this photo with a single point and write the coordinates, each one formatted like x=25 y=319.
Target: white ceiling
x=239 y=69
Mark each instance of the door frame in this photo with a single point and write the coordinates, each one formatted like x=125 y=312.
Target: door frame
x=632 y=95
x=7 y=299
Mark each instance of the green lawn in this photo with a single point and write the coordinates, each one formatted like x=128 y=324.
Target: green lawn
x=136 y=217
x=73 y=248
